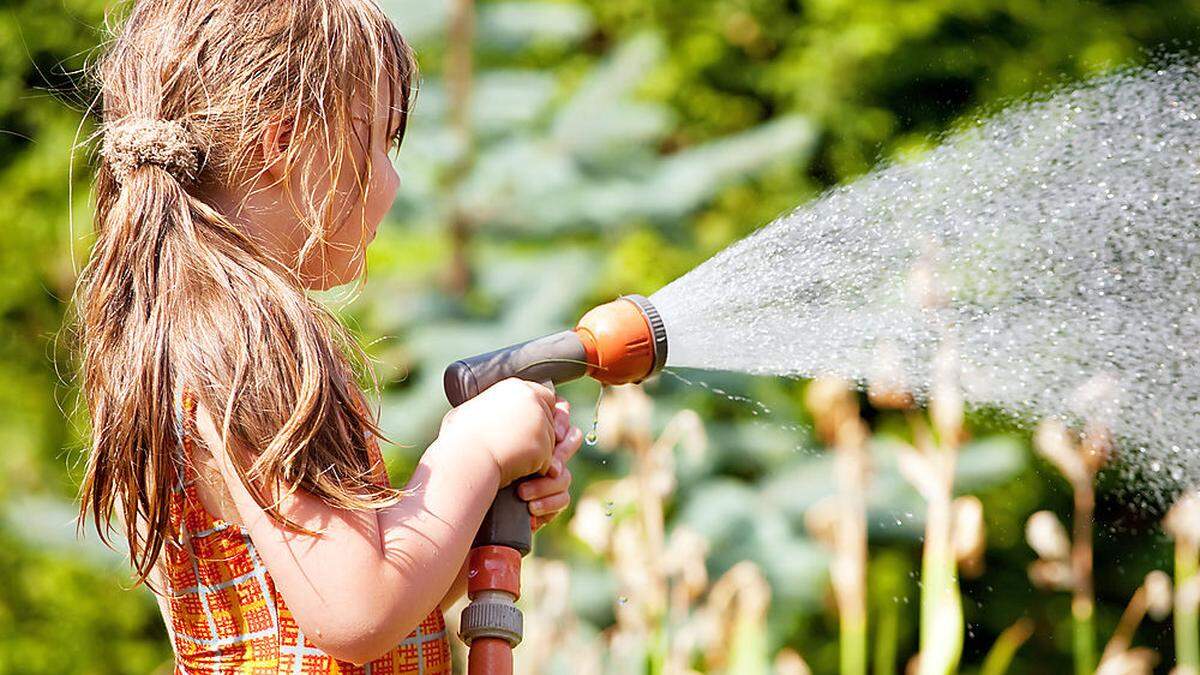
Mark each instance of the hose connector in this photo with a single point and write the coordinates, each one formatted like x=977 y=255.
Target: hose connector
x=492 y=614
x=493 y=584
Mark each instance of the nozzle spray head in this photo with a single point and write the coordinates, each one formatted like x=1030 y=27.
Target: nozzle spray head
x=618 y=342
x=625 y=340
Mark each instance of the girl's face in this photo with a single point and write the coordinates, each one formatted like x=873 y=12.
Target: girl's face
x=273 y=203
x=357 y=209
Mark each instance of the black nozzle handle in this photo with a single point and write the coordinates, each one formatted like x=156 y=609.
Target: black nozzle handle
x=556 y=358
x=507 y=522
x=553 y=359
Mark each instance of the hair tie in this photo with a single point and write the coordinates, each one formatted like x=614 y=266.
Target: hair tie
x=131 y=143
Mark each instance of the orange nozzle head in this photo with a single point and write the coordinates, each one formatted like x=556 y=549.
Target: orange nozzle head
x=625 y=340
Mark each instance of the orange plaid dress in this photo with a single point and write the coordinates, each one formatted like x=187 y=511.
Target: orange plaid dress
x=225 y=614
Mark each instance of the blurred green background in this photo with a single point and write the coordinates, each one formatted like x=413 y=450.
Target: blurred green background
x=587 y=148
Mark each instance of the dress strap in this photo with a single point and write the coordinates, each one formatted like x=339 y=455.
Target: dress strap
x=185 y=429
x=188 y=512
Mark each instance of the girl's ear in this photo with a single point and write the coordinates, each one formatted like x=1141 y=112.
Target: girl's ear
x=275 y=142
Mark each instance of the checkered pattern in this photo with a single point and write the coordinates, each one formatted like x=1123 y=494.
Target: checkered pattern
x=226 y=615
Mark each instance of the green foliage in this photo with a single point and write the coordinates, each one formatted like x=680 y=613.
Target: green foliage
x=62 y=606
x=60 y=613
x=616 y=143
x=38 y=52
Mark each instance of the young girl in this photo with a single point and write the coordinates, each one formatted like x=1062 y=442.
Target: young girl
x=244 y=159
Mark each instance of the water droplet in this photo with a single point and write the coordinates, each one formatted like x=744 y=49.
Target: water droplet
x=592 y=436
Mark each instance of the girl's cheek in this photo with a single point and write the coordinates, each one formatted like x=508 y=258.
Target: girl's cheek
x=390 y=185
x=391 y=179
x=385 y=185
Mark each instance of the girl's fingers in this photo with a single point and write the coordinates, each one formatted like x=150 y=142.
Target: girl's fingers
x=569 y=445
x=563 y=451
x=538 y=521
x=545 y=397
x=562 y=419
x=537 y=488
x=549 y=505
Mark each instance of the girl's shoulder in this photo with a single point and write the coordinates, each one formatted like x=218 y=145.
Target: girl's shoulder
x=198 y=440
x=374 y=453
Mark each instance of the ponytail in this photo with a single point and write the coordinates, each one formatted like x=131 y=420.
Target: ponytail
x=127 y=334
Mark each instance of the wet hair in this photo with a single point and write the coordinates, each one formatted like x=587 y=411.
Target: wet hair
x=175 y=296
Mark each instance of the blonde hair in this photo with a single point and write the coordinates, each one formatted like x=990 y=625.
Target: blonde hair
x=175 y=296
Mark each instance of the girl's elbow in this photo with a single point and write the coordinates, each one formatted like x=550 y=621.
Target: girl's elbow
x=361 y=641
x=357 y=649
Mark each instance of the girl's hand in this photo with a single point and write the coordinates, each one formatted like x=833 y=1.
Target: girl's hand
x=547 y=496
x=513 y=421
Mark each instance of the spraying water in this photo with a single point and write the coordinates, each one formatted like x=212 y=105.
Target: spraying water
x=1053 y=245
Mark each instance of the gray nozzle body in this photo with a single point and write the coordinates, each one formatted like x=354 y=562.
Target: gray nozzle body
x=555 y=358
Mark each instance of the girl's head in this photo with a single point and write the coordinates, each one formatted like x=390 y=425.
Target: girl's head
x=244 y=159
x=289 y=108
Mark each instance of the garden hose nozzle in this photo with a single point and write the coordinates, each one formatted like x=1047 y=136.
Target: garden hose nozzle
x=616 y=343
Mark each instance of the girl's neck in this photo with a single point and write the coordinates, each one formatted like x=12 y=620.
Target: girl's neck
x=261 y=213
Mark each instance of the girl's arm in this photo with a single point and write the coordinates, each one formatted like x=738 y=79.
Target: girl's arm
x=457 y=589
x=371 y=576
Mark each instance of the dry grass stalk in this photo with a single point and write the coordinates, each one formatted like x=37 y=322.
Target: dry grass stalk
x=1079 y=459
x=1001 y=654
x=637 y=541
x=1045 y=534
x=685 y=565
x=736 y=610
x=788 y=662
x=970 y=540
x=1183 y=525
x=666 y=608
x=1136 y=661
x=545 y=600
x=842 y=522
x=888 y=389
x=662 y=579
x=1147 y=599
x=929 y=466
x=1158 y=595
